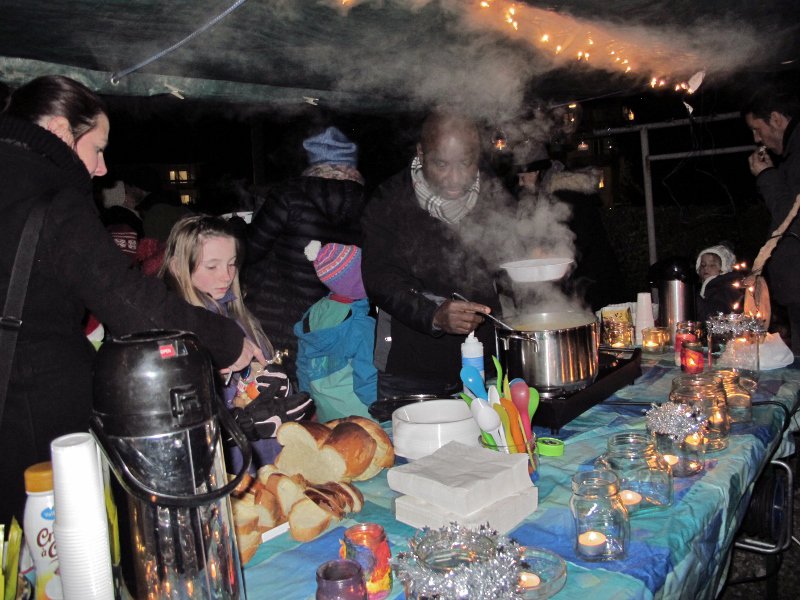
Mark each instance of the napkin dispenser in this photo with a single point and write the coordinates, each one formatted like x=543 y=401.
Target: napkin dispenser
x=158 y=423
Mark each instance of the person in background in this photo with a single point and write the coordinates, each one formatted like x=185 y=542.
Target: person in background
x=717 y=292
x=424 y=238
x=772 y=115
x=597 y=278
x=324 y=203
x=53 y=133
x=201 y=264
x=337 y=336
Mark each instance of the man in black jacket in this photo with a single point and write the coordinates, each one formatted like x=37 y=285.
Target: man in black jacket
x=773 y=117
x=422 y=233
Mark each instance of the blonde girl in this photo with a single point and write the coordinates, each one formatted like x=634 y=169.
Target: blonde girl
x=201 y=263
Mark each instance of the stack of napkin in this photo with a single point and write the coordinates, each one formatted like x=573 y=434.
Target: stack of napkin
x=468 y=485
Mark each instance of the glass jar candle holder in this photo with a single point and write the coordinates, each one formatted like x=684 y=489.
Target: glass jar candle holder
x=684 y=456
x=734 y=342
x=366 y=544
x=685 y=331
x=705 y=393
x=340 y=580
x=645 y=478
x=601 y=519
x=692 y=360
x=738 y=398
x=617 y=334
x=654 y=339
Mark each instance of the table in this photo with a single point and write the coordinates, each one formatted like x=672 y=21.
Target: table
x=679 y=552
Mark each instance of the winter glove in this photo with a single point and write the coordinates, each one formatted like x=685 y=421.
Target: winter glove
x=272 y=406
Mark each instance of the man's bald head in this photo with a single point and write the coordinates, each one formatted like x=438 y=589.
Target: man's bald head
x=449 y=149
x=439 y=124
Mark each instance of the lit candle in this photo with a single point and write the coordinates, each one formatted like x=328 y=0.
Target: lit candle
x=528 y=581
x=630 y=498
x=717 y=418
x=671 y=459
x=694 y=440
x=617 y=345
x=592 y=543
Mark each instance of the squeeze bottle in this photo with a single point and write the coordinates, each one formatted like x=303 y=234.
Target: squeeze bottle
x=38 y=521
x=472 y=354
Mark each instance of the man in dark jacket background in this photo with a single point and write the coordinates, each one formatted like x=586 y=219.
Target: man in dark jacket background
x=325 y=204
x=423 y=240
x=772 y=115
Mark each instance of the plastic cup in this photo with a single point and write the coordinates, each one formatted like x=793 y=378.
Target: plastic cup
x=77 y=482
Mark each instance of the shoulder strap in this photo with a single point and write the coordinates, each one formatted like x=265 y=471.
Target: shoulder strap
x=11 y=319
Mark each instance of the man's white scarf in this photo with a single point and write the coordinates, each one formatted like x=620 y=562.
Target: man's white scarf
x=449 y=211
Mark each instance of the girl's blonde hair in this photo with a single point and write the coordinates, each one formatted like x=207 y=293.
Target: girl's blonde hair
x=180 y=261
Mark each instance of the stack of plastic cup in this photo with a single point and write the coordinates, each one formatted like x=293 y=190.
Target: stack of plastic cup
x=644 y=314
x=81 y=526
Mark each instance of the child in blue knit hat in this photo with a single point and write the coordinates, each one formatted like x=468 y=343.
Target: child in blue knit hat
x=336 y=337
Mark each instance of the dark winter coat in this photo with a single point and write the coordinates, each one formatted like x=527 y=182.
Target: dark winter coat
x=720 y=296
x=76 y=267
x=280 y=282
x=410 y=256
x=779 y=187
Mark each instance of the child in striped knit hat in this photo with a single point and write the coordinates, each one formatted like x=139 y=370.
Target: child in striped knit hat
x=336 y=337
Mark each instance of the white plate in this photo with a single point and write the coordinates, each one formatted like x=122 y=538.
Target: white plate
x=537 y=269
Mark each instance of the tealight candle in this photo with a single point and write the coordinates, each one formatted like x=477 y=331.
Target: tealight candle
x=592 y=543
x=528 y=581
x=671 y=459
x=694 y=439
x=653 y=339
x=630 y=498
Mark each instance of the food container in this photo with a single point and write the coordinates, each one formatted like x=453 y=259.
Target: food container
x=554 y=352
x=422 y=428
x=537 y=269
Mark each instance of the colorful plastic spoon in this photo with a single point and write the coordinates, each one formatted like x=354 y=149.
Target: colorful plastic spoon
x=533 y=403
x=508 y=440
x=520 y=396
x=471 y=378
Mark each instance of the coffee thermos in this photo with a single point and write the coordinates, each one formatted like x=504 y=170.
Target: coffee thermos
x=675 y=281
x=159 y=424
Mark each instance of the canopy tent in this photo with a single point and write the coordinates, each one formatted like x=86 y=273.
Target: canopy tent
x=384 y=55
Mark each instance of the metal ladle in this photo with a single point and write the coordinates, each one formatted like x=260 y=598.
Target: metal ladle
x=457 y=296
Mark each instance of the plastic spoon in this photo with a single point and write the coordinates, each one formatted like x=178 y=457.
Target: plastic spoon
x=499 y=368
x=488 y=421
x=514 y=425
x=494 y=396
x=471 y=378
x=533 y=403
x=508 y=440
x=520 y=396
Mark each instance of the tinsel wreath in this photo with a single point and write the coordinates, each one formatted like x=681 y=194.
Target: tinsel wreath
x=480 y=575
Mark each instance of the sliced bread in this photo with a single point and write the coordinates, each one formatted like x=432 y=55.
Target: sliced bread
x=384 y=450
x=307 y=520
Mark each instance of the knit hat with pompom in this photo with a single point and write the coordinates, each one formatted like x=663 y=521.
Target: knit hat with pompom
x=338 y=266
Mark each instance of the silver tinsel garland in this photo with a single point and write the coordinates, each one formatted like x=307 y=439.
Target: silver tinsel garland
x=675 y=420
x=491 y=577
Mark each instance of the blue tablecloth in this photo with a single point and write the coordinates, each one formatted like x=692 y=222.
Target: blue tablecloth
x=678 y=552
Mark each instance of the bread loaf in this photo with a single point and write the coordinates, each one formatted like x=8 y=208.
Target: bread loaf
x=301 y=443
x=384 y=450
x=346 y=453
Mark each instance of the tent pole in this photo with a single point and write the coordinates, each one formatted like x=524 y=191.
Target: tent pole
x=648 y=195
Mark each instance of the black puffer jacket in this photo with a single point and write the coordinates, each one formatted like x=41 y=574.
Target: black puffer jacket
x=281 y=282
x=409 y=256
x=76 y=267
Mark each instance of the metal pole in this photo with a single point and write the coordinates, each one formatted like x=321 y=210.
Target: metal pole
x=712 y=152
x=648 y=196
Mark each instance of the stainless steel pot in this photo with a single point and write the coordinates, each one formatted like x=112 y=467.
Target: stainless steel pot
x=554 y=352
